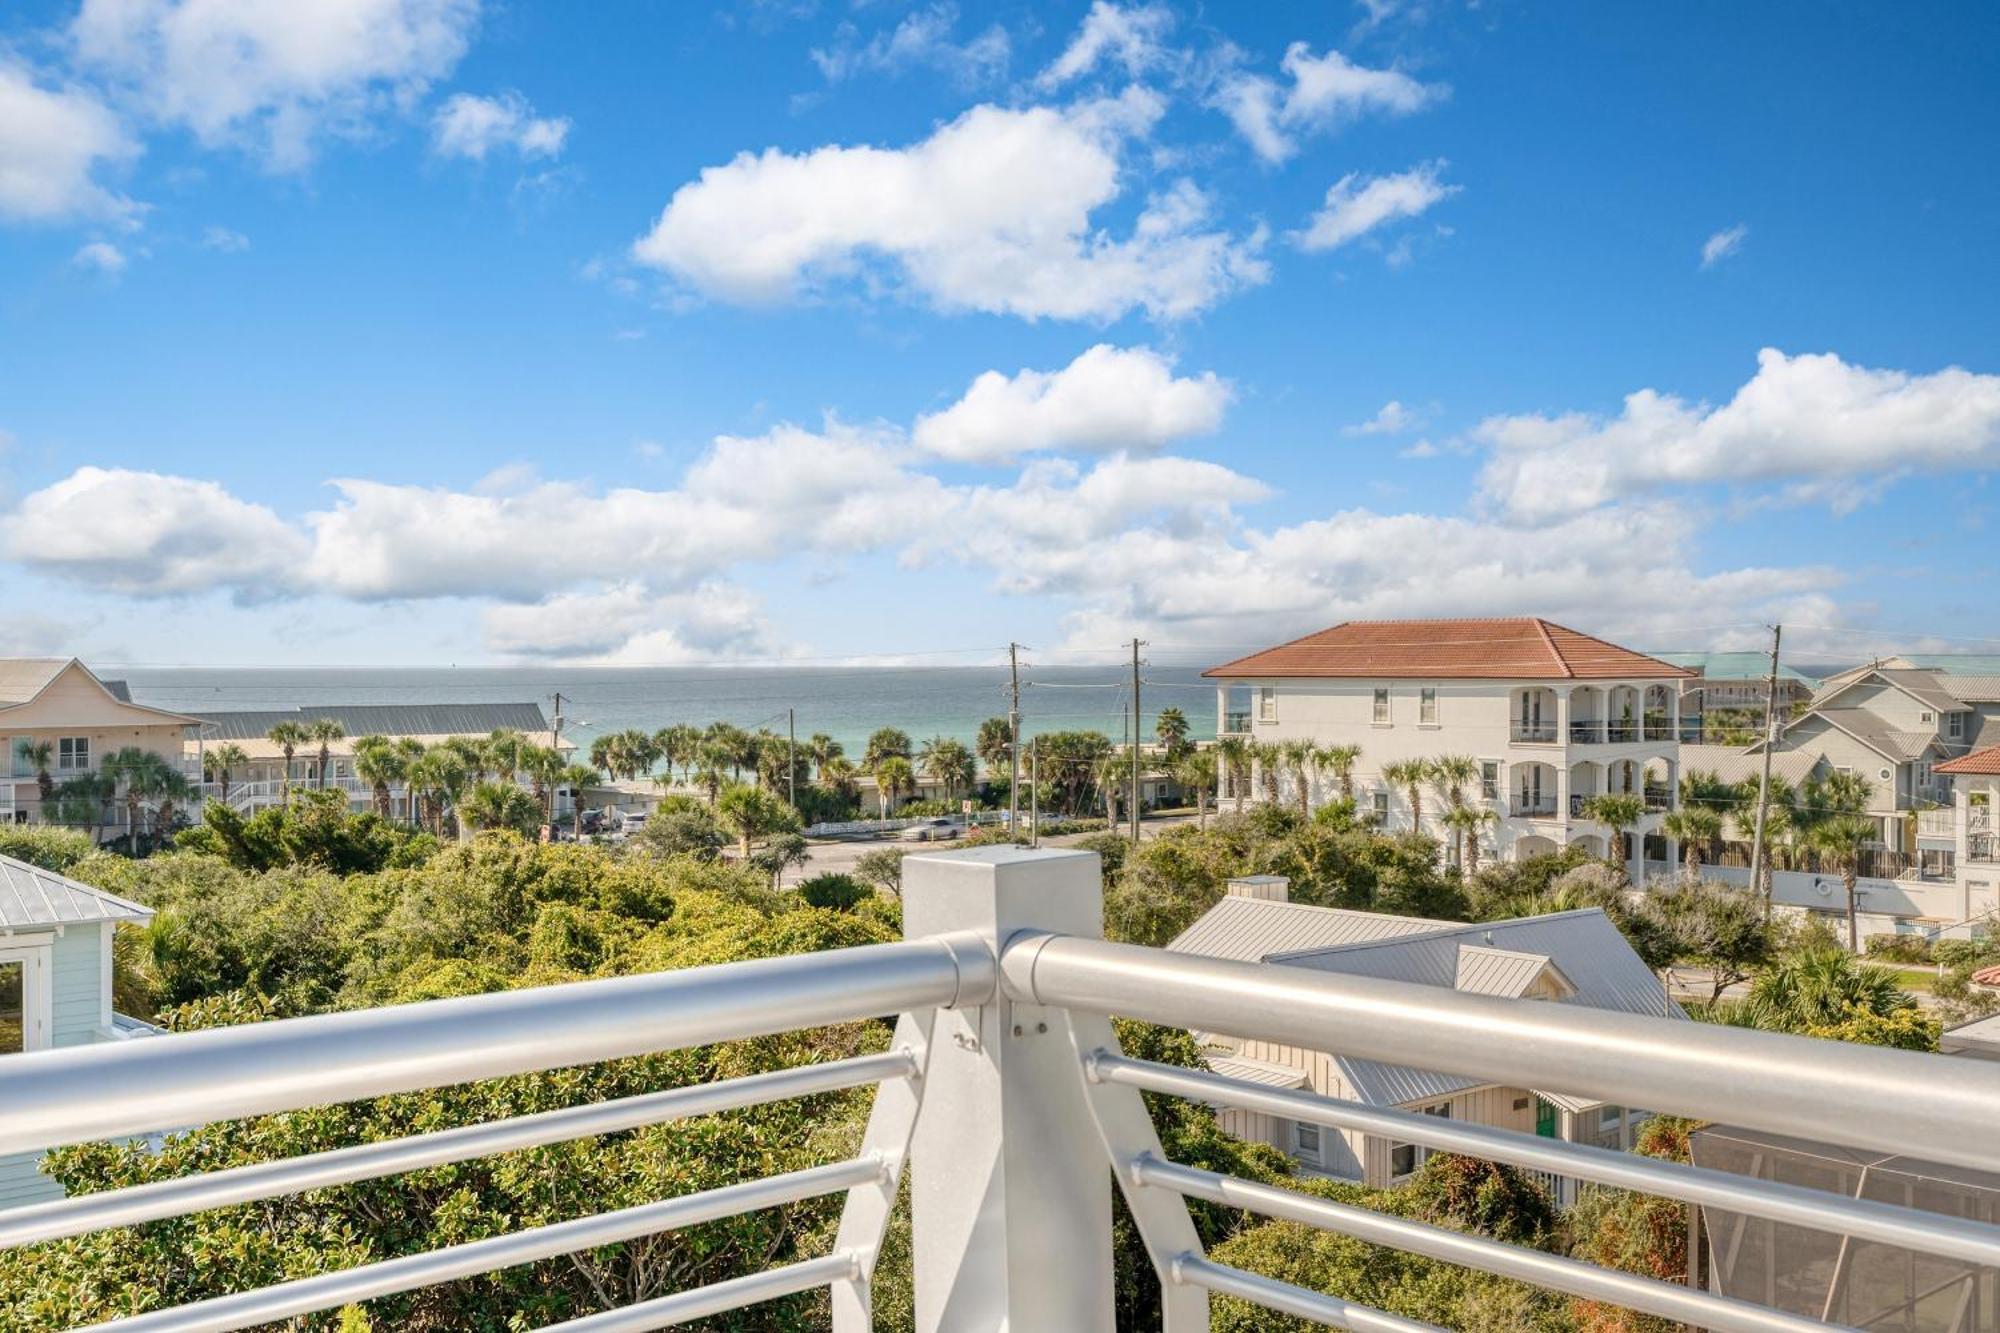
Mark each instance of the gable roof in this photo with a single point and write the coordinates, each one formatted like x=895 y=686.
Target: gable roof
x=1985 y=763
x=1249 y=930
x=1739 y=764
x=1873 y=732
x=1508 y=973
x=382 y=719
x=32 y=897
x=23 y=679
x=1971 y=689
x=1508 y=648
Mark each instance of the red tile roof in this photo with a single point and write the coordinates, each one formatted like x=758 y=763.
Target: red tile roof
x=1512 y=648
x=1983 y=762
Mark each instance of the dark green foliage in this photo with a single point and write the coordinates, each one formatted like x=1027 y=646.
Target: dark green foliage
x=45 y=845
x=836 y=893
x=883 y=868
x=1468 y=1194
x=316 y=829
x=686 y=829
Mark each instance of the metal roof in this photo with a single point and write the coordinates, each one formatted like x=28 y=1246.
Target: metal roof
x=1250 y=930
x=1971 y=689
x=31 y=897
x=1508 y=973
x=382 y=719
x=1926 y=687
x=1732 y=764
x=1265 y=1073
x=1877 y=735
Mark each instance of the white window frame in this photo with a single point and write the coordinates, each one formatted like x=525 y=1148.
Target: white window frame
x=36 y=1019
x=1267 y=703
x=1427 y=706
x=1416 y=1159
x=1383 y=708
x=1380 y=804
x=72 y=746
x=1489 y=779
x=1308 y=1142
x=1954 y=726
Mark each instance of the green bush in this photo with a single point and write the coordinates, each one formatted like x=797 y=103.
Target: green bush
x=1900 y=948
x=836 y=893
x=45 y=845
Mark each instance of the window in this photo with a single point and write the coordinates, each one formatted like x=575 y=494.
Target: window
x=1267 y=703
x=1427 y=706
x=1381 y=706
x=1609 y=1116
x=1381 y=799
x=1954 y=725
x=1927 y=717
x=24 y=1000
x=1489 y=779
x=73 y=752
x=1442 y=1110
x=1305 y=1141
x=1402 y=1158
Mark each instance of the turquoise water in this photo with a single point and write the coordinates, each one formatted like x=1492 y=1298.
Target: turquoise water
x=846 y=703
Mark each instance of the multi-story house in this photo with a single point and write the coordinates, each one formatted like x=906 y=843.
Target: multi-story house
x=1551 y=716
x=1975 y=832
x=58 y=722
x=1736 y=684
x=1575 y=958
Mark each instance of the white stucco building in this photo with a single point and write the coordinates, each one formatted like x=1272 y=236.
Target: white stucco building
x=1552 y=717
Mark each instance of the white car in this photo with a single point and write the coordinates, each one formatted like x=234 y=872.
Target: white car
x=932 y=830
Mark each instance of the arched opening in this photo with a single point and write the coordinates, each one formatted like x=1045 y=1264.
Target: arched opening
x=1585 y=781
x=1532 y=844
x=1532 y=790
x=1586 y=715
x=1659 y=713
x=1622 y=718
x=1593 y=846
x=1535 y=710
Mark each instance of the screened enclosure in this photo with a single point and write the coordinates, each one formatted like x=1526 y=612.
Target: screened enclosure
x=1861 y=1284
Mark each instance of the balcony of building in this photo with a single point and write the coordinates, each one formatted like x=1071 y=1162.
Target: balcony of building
x=1533 y=791
x=1537 y=714
x=1005 y=1101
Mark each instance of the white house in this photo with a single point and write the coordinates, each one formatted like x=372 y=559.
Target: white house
x=55 y=984
x=1975 y=780
x=59 y=703
x=1552 y=716
x=1561 y=958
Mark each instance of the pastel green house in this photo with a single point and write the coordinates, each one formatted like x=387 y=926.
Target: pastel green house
x=55 y=984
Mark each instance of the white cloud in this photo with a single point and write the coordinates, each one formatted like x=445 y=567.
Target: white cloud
x=992 y=212
x=922 y=38
x=1812 y=419
x=1107 y=400
x=1357 y=204
x=628 y=623
x=145 y=534
x=471 y=127
x=52 y=142
x=1324 y=93
x=1421 y=449
x=1392 y=419
x=1723 y=244
x=1132 y=37
x=273 y=75
x=227 y=241
x=101 y=256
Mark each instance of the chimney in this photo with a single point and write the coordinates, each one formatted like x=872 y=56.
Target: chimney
x=1271 y=888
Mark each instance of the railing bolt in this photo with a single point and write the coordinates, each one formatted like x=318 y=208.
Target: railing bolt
x=1017 y=1029
x=1041 y=1027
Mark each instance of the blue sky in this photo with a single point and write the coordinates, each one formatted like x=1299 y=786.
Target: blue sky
x=380 y=331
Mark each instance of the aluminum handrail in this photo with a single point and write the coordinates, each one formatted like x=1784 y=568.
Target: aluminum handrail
x=177 y=1197
x=327 y=1291
x=76 y=1095
x=1538 y=1267
x=1285 y=1298
x=718 y=1298
x=1864 y=1219
x=1859 y=1096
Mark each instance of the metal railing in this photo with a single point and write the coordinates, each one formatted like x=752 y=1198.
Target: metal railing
x=1659 y=798
x=1236 y=724
x=1620 y=733
x=1586 y=731
x=1526 y=805
x=1005 y=1094
x=1534 y=732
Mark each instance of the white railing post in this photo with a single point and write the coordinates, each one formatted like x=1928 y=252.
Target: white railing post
x=1010 y=1189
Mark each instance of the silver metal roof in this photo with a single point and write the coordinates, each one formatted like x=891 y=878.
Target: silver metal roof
x=1250 y=930
x=382 y=719
x=1266 y=1073
x=32 y=898
x=1504 y=972
x=1971 y=689
x=1732 y=764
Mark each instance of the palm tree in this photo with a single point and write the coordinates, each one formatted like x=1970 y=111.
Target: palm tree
x=1449 y=775
x=409 y=749
x=1341 y=760
x=1410 y=775
x=576 y=777
x=838 y=777
x=1822 y=988
x=885 y=743
x=1171 y=727
x=1696 y=827
x=219 y=763
x=325 y=731
x=995 y=744
x=1295 y=758
x=822 y=749
x=1843 y=839
x=1468 y=824
x=710 y=759
x=440 y=774
x=604 y=754
x=505 y=748
x=288 y=737
x=1619 y=812
x=1196 y=771
x=499 y=805
x=678 y=744
x=893 y=778
x=39 y=755
x=378 y=763
x=1109 y=772
x=145 y=776
x=544 y=765
x=1270 y=768
x=948 y=763
x=1233 y=755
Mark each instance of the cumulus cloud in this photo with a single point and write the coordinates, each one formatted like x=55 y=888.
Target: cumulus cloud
x=52 y=144
x=472 y=127
x=144 y=534
x=273 y=77
x=1129 y=37
x=1392 y=419
x=1323 y=93
x=628 y=623
x=1357 y=204
x=1813 y=420
x=229 y=242
x=924 y=38
x=1107 y=400
x=992 y=212
x=100 y=257
x=1723 y=244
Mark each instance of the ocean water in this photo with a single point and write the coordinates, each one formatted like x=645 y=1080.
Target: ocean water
x=845 y=702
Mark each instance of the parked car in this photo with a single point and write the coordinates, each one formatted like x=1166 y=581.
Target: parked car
x=936 y=829
x=593 y=821
x=631 y=821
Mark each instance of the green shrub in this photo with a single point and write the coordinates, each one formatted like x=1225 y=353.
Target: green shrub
x=44 y=845
x=838 y=893
x=1900 y=948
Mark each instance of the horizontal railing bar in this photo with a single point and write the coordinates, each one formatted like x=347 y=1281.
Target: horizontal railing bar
x=718 y=1298
x=127 y=1088
x=1865 y=1219
x=327 y=1291
x=1296 y=1301
x=1719 y=1314
x=1859 y=1096
x=35 y=1223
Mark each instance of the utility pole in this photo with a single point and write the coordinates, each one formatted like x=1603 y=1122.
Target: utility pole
x=556 y=725
x=1014 y=741
x=1137 y=741
x=1757 y=853
x=1035 y=794
x=792 y=756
